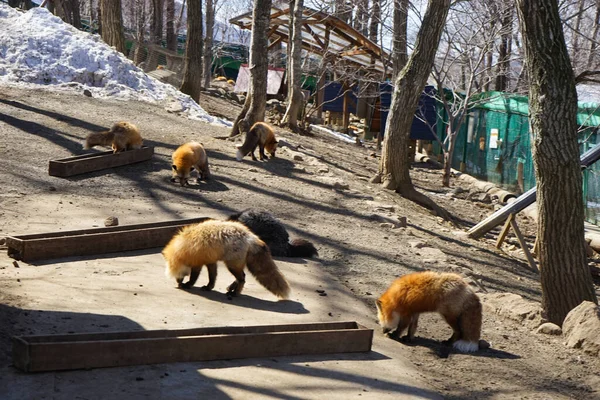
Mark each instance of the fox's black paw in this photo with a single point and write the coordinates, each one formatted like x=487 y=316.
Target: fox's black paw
x=406 y=339
x=206 y=288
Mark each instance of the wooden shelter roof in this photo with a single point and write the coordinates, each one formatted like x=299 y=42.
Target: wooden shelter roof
x=325 y=34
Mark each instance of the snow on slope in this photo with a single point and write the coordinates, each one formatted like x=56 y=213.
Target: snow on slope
x=37 y=48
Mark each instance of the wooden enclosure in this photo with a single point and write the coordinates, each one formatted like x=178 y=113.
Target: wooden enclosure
x=95 y=350
x=96 y=161
x=43 y=246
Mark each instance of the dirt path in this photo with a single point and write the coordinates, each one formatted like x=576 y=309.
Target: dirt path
x=321 y=193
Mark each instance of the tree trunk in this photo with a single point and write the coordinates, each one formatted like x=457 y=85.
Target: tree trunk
x=208 y=42
x=256 y=97
x=374 y=24
x=171 y=34
x=506 y=22
x=565 y=276
x=399 y=55
x=192 y=71
x=112 y=24
x=409 y=85
x=594 y=38
x=362 y=16
x=99 y=16
x=296 y=99
x=157 y=21
x=139 y=55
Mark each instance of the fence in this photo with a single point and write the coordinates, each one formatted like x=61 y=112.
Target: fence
x=494 y=144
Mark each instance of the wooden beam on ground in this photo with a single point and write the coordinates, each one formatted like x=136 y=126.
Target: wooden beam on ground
x=85 y=242
x=588 y=158
x=116 y=349
x=97 y=161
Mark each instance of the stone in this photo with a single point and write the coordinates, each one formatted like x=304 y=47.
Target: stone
x=417 y=244
x=298 y=157
x=402 y=222
x=386 y=225
x=111 y=221
x=87 y=93
x=549 y=328
x=340 y=186
x=323 y=170
x=581 y=328
x=480 y=197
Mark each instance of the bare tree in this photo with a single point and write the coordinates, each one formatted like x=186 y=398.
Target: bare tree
x=565 y=276
x=112 y=24
x=296 y=98
x=208 y=42
x=254 y=107
x=192 y=76
x=395 y=162
x=171 y=34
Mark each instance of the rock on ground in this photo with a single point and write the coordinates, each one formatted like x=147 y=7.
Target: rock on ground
x=582 y=328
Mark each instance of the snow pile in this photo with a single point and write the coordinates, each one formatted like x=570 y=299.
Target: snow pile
x=37 y=48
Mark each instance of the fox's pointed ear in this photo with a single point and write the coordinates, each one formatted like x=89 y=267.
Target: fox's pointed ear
x=174 y=167
x=191 y=168
x=276 y=142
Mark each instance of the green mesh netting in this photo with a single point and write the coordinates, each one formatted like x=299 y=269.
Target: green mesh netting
x=494 y=144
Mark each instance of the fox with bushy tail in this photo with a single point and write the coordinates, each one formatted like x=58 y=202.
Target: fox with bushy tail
x=261 y=135
x=121 y=136
x=208 y=242
x=448 y=294
x=270 y=230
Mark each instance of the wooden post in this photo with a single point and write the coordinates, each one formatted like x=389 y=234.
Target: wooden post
x=345 y=113
x=512 y=223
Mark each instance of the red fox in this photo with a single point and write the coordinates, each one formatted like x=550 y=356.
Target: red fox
x=187 y=157
x=260 y=135
x=121 y=136
x=408 y=296
x=208 y=242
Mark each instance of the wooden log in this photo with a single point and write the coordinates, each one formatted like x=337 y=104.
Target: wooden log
x=44 y=246
x=96 y=350
x=97 y=161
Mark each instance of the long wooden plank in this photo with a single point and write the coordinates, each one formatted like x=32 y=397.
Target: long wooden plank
x=97 y=161
x=586 y=159
x=64 y=352
x=44 y=246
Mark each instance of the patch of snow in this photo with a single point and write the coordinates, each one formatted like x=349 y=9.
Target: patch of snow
x=38 y=48
x=339 y=135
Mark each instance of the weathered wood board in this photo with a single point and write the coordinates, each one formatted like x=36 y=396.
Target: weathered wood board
x=96 y=350
x=96 y=161
x=85 y=242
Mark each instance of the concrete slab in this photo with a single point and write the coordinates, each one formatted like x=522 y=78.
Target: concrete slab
x=131 y=292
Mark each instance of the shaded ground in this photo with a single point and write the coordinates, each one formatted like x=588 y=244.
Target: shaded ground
x=354 y=246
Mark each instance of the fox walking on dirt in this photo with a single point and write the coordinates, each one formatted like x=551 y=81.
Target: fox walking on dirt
x=187 y=157
x=448 y=294
x=261 y=135
x=121 y=136
x=208 y=242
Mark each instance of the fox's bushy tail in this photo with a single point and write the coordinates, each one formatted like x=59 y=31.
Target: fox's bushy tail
x=301 y=248
x=263 y=268
x=99 y=138
x=470 y=326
